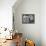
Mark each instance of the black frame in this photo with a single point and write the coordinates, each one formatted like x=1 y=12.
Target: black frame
x=28 y=18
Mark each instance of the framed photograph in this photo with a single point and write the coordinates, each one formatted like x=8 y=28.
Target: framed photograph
x=28 y=18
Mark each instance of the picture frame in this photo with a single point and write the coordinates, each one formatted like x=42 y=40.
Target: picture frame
x=28 y=18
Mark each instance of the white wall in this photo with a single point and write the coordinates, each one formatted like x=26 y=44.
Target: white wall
x=31 y=31
x=43 y=22
x=6 y=13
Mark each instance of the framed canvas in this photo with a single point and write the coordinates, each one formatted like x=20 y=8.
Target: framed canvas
x=28 y=19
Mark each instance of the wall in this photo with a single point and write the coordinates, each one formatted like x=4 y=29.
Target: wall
x=43 y=22
x=6 y=13
x=30 y=31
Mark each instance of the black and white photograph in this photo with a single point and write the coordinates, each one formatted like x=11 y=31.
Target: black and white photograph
x=28 y=18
